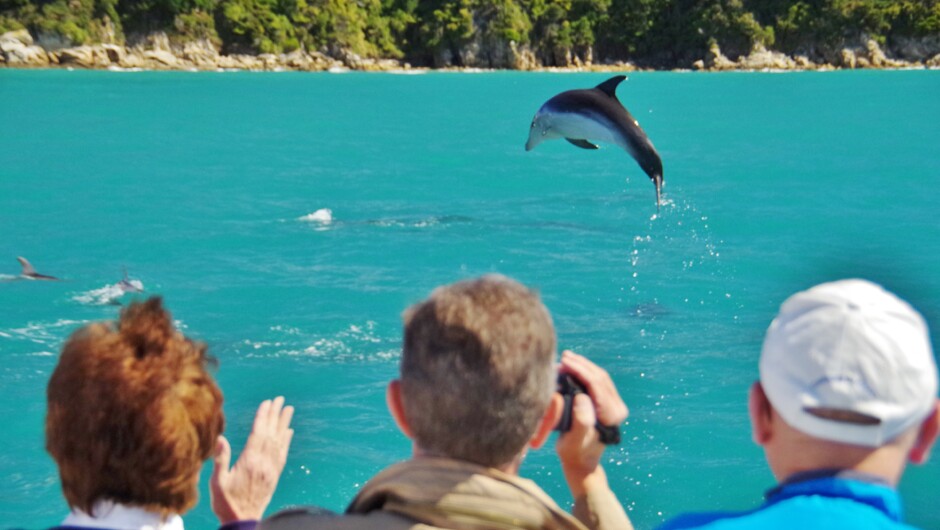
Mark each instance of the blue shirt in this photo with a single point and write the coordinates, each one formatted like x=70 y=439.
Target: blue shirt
x=819 y=500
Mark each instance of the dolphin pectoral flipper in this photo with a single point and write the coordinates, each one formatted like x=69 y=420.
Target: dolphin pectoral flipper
x=583 y=144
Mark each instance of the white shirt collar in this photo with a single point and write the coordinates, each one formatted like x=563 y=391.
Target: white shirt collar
x=120 y=517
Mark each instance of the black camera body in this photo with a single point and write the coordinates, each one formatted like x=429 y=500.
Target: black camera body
x=569 y=387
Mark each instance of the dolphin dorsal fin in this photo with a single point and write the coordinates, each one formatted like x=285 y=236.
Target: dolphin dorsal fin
x=28 y=269
x=609 y=87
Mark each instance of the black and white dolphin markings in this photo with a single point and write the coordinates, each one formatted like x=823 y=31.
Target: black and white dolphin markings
x=596 y=114
x=30 y=273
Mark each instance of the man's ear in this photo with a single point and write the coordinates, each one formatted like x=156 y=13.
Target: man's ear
x=549 y=421
x=926 y=436
x=396 y=408
x=761 y=413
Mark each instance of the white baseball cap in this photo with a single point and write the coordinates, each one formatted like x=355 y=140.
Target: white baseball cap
x=849 y=362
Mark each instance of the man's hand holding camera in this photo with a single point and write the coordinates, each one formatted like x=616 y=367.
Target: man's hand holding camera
x=580 y=449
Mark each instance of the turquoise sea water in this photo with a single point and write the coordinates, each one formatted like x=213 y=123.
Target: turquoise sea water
x=197 y=183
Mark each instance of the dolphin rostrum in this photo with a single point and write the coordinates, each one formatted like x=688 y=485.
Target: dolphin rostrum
x=596 y=114
x=30 y=273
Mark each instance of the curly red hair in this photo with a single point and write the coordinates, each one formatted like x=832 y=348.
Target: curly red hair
x=132 y=413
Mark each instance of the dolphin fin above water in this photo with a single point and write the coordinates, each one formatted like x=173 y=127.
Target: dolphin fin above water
x=127 y=285
x=30 y=273
x=596 y=114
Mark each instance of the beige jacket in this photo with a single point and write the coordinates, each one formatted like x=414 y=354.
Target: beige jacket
x=438 y=493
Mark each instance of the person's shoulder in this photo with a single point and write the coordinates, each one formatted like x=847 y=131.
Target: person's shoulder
x=805 y=513
x=314 y=518
x=298 y=517
x=699 y=520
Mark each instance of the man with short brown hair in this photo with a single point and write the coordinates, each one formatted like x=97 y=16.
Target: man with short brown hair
x=476 y=391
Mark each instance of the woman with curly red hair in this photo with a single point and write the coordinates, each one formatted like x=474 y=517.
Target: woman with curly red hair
x=133 y=413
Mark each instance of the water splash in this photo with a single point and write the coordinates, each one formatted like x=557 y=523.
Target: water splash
x=109 y=294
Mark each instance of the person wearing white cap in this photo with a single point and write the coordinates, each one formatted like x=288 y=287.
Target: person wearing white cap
x=847 y=396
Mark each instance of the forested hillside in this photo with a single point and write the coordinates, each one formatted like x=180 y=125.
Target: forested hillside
x=651 y=33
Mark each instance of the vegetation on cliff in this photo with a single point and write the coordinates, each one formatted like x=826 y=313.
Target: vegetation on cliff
x=658 y=33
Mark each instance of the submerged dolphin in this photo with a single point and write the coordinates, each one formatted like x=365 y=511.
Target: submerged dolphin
x=30 y=273
x=596 y=114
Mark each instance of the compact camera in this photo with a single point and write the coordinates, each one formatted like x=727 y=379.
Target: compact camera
x=569 y=387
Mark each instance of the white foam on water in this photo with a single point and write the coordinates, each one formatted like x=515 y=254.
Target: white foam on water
x=324 y=216
x=46 y=334
x=402 y=71
x=355 y=343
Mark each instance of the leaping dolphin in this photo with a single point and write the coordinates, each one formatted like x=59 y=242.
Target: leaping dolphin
x=127 y=285
x=30 y=273
x=596 y=114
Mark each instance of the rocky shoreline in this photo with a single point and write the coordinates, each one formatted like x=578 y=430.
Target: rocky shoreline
x=156 y=52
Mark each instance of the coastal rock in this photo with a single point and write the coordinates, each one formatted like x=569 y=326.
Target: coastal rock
x=85 y=57
x=269 y=61
x=379 y=65
x=347 y=57
x=468 y=55
x=157 y=42
x=762 y=59
x=933 y=62
x=21 y=35
x=877 y=57
x=18 y=50
x=201 y=53
x=240 y=62
x=159 y=59
x=803 y=62
x=115 y=53
x=108 y=33
x=523 y=58
x=848 y=58
x=131 y=59
x=298 y=60
x=715 y=60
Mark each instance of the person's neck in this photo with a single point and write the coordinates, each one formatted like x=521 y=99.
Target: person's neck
x=112 y=515
x=510 y=468
x=883 y=462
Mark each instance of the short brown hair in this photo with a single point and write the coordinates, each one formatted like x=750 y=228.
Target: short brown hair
x=476 y=369
x=132 y=413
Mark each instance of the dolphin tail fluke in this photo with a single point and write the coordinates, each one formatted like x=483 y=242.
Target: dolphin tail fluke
x=28 y=269
x=658 y=181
